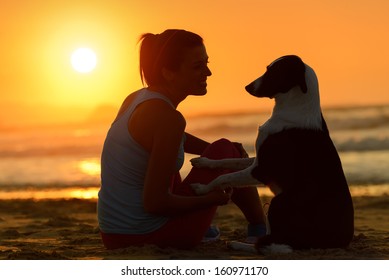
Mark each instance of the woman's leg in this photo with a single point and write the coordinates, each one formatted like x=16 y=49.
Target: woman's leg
x=219 y=149
x=247 y=199
x=184 y=231
x=187 y=231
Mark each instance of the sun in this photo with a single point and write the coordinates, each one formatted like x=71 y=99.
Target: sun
x=83 y=60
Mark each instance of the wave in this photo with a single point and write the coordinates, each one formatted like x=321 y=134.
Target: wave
x=60 y=150
x=352 y=129
x=357 y=118
x=63 y=156
x=366 y=144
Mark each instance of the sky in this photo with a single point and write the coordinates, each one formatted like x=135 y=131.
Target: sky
x=346 y=42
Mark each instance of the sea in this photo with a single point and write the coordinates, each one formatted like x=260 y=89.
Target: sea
x=63 y=161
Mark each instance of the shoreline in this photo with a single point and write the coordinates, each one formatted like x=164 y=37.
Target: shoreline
x=64 y=229
x=91 y=191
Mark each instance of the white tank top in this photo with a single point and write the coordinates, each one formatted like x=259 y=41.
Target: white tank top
x=123 y=169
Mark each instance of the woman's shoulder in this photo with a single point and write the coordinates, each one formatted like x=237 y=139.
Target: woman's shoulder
x=160 y=109
x=156 y=113
x=153 y=120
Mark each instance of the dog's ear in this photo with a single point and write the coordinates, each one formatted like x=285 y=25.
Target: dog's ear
x=300 y=73
x=301 y=77
x=303 y=84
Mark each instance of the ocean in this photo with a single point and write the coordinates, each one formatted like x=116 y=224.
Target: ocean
x=63 y=161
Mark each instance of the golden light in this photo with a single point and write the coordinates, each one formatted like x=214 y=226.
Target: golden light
x=84 y=60
x=66 y=193
x=90 y=167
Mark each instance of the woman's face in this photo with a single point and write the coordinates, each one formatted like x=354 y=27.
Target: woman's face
x=191 y=78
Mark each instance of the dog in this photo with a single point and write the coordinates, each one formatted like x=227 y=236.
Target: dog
x=296 y=158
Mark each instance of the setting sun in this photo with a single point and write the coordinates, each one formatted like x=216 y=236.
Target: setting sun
x=83 y=60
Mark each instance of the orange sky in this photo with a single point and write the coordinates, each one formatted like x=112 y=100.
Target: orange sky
x=346 y=42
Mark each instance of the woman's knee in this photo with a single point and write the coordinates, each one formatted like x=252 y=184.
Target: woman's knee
x=222 y=148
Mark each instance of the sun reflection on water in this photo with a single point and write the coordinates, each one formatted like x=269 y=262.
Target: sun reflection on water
x=52 y=193
x=90 y=166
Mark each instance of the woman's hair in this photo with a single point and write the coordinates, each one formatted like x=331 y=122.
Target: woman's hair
x=165 y=50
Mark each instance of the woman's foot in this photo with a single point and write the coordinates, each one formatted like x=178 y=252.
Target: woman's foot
x=212 y=234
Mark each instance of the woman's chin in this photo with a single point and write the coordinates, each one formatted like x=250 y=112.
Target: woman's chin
x=199 y=91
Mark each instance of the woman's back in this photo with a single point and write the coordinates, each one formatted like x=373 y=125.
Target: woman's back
x=123 y=167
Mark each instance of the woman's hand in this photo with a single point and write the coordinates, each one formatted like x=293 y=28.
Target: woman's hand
x=220 y=197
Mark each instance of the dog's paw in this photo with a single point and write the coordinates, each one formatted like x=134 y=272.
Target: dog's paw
x=200 y=189
x=201 y=162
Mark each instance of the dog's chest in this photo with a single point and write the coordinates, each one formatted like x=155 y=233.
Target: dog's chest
x=272 y=126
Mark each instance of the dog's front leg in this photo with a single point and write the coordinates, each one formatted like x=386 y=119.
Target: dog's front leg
x=235 y=179
x=227 y=163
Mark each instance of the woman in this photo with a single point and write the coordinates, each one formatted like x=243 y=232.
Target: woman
x=142 y=199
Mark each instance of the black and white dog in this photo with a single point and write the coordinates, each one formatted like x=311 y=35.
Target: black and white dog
x=296 y=158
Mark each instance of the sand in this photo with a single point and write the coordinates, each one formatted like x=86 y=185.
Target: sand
x=67 y=229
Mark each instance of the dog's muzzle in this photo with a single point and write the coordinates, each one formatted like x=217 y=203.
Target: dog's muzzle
x=254 y=88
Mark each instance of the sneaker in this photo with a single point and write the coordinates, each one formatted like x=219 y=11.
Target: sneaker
x=255 y=231
x=212 y=234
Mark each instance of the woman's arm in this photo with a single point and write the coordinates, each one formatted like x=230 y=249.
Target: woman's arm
x=194 y=145
x=165 y=128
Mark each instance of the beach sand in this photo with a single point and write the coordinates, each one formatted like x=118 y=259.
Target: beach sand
x=67 y=229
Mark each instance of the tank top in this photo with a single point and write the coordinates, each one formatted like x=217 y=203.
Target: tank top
x=123 y=168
